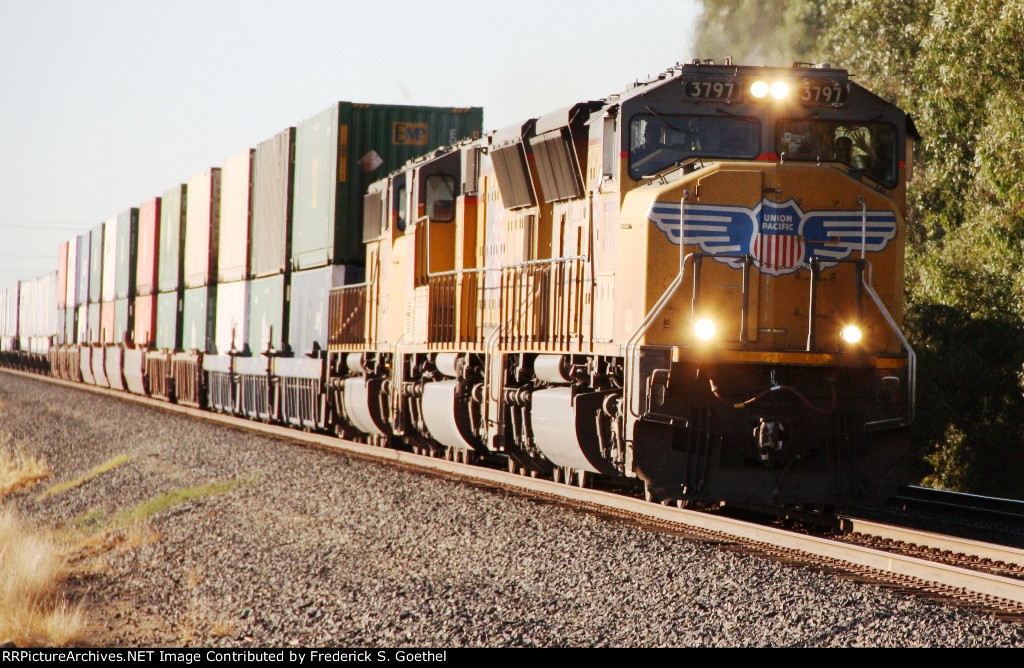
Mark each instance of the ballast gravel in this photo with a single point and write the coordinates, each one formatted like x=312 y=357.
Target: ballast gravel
x=262 y=542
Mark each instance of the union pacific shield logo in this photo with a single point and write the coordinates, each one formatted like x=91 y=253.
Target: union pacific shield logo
x=777 y=242
x=780 y=236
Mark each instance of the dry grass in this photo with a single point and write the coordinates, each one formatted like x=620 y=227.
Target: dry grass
x=222 y=626
x=87 y=552
x=19 y=469
x=34 y=564
x=33 y=611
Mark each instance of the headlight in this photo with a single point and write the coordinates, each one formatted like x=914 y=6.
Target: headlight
x=704 y=329
x=851 y=334
x=778 y=89
x=759 y=89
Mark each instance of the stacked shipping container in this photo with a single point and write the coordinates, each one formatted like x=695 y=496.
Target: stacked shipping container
x=143 y=329
x=230 y=273
x=232 y=301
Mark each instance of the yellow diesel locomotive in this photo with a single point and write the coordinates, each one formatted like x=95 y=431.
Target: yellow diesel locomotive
x=695 y=284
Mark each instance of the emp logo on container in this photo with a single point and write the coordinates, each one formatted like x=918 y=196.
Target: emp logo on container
x=410 y=134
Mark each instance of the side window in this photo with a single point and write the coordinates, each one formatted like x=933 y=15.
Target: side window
x=399 y=202
x=441 y=197
x=610 y=149
x=373 y=210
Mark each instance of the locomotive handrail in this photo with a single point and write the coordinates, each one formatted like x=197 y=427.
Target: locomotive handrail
x=863 y=224
x=492 y=338
x=648 y=320
x=911 y=356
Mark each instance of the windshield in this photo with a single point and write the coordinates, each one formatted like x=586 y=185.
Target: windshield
x=658 y=141
x=866 y=147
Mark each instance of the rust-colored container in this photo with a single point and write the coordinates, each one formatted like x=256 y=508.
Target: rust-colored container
x=108 y=315
x=62 y=275
x=145 y=321
x=148 y=248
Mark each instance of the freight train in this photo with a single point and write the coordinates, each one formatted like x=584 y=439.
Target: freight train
x=693 y=287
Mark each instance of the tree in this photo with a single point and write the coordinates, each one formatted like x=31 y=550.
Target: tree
x=956 y=66
x=757 y=32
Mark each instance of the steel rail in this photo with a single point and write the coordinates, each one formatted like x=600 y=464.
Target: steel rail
x=934 y=541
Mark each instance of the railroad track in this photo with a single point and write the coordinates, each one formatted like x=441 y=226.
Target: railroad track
x=970 y=573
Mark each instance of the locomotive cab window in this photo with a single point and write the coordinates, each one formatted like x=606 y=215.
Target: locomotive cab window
x=441 y=198
x=659 y=141
x=399 y=203
x=868 y=148
x=373 y=216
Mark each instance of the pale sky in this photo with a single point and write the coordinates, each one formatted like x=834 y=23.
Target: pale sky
x=107 y=103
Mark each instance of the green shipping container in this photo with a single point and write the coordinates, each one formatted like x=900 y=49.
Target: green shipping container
x=343 y=149
x=96 y=265
x=127 y=247
x=171 y=264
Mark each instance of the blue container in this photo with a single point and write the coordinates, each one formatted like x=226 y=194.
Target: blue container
x=307 y=316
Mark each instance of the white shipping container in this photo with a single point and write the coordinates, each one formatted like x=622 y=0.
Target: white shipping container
x=9 y=312
x=37 y=312
x=235 y=218
x=70 y=287
x=232 y=319
x=202 y=215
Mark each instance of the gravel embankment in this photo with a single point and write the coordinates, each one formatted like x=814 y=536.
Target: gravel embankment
x=317 y=549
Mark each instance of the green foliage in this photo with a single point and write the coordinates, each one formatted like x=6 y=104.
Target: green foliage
x=956 y=66
x=738 y=28
x=108 y=465
x=175 y=497
x=968 y=426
